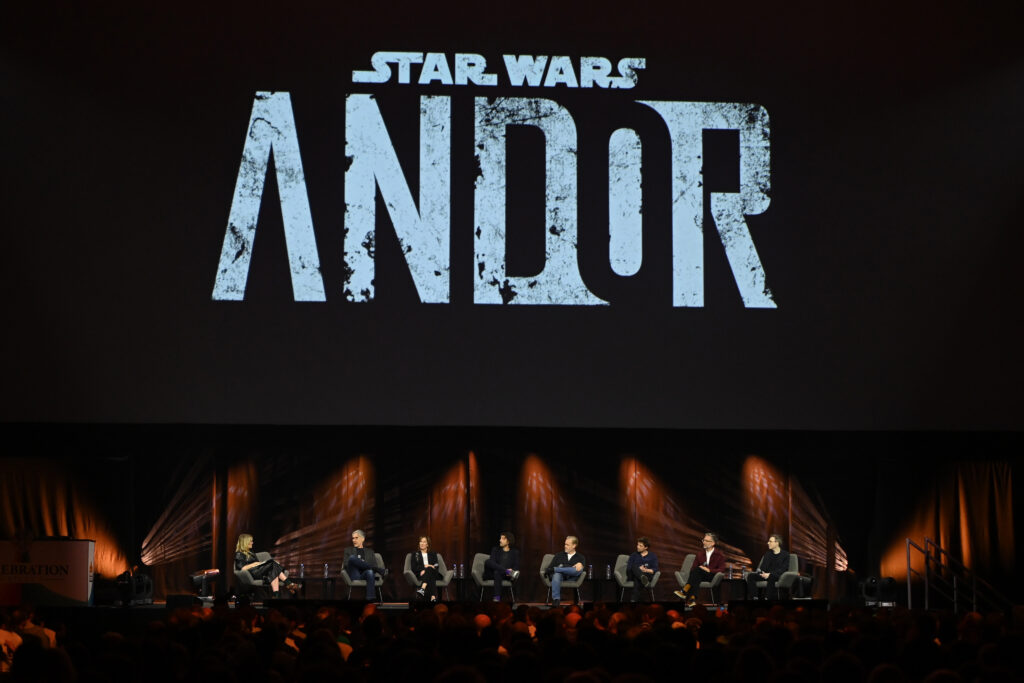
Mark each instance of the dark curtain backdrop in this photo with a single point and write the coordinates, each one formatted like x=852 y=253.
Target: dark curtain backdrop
x=967 y=508
x=175 y=498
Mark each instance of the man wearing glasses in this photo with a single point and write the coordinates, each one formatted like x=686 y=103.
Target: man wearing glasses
x=361 y=564
x=709 y=562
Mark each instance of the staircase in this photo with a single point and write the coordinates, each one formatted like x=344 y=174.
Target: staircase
x=949 y=584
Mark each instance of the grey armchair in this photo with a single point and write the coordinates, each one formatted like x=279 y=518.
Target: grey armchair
x=713 y=585
x=683 y=575
x=686 y=575
x=246 y=583
x=566 y=583
x=625 y=582
x=442 y=569
x=378 y=579
x=477 y=572
x=787 y=580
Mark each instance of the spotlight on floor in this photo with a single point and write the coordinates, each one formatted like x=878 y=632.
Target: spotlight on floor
x=202 y=580
x=879 y=592
x=887 y=592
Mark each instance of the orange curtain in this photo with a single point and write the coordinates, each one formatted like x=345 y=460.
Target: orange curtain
x=968 y=510
x=37 y=499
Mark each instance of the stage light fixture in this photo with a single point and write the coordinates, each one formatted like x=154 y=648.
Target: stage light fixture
x=878 y=592
x=202 y=580
x=134 y=588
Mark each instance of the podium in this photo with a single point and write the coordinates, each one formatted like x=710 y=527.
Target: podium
x=47 y=572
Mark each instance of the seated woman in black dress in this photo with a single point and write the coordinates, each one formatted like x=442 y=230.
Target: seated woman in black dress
x=268 y=570
x=424 y=566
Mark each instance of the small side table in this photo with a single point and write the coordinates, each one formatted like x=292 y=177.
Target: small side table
x=732 y=589
x=602 y=589
x=327 y=584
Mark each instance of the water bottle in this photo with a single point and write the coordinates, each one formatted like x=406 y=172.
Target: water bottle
x=607 y=571
x=302 y=570
x=327 y=571
x=590 y=572
x=462 y=570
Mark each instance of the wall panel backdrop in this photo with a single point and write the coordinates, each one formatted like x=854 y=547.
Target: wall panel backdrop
x=300 y=492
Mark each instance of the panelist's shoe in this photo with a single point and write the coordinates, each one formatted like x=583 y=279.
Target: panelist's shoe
x=556 y=603
x=645 y=581
x=679 y=594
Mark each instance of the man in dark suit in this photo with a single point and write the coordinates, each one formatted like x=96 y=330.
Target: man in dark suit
x=361 y=564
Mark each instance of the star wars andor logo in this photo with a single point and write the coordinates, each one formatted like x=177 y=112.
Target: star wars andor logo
x=423 y=226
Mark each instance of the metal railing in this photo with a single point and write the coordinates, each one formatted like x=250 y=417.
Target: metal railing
x=948 y=577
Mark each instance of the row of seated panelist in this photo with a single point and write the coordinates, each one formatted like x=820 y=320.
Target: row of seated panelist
x=791 y=583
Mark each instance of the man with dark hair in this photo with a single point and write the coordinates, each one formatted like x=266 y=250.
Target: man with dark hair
x=361 y=564
x=503 y=564
x=567 y=564
x=641 y=567
x=772 y=566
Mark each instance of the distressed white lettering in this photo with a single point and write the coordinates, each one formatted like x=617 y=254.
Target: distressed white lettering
x=271 y=131
x=595 y=71
x=560 y=71
x=625 y=202
x=686 y=122
x=424 y=234
x=559 y=283
x=435 y=68
x=628 y=67
x=470 y=67
x=525 y=67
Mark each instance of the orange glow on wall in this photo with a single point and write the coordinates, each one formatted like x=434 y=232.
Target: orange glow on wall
x=475 y=510
x=777 y=503
x=341 y=504
x=894 y=561
x=543 y=516
x=242 y=498
x=110 y=560
x=448 y=506
x=37 y=500
x=968 y=511
x=184 y=527
x=767 y=498
x=653 y=511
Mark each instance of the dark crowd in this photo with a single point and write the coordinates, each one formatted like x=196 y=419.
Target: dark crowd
x=494 y=642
